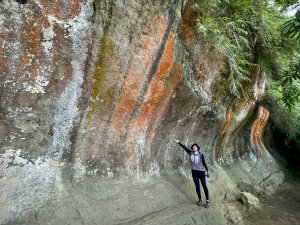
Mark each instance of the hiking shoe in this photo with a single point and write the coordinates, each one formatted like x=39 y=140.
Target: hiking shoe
x=207 y=204
x=199 y=203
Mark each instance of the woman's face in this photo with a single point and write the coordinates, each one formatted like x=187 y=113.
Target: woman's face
x=195 y=148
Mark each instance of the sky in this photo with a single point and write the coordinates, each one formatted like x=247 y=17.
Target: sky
x=291 y=11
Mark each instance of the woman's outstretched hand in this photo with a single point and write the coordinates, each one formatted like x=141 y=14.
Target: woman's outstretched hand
x=177 y=141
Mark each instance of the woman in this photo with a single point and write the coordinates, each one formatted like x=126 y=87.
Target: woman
x=198 y=170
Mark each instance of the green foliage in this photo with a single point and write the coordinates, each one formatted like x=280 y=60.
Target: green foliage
x=238 y=31
x=290 y=95
x=290 y=80
x=228 y=34
x=292 y=27
x=286 y=3
x=290 y=85
x=248 y=34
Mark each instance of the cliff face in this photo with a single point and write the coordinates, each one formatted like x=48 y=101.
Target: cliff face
x=100 y=88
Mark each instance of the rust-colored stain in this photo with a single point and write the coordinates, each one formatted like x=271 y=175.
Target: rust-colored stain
x=187 y=33
x=134 y=81
x=32 y=56
x=144 y=123
x=156 y=89
x=230 y=123
x=131 y=89
x=162 y=25
x=146 y=46
x=61 y=60
x=150 y=42
x=157 y=96
x=227 y=120
x=3 y=62
x=61 y=9
x=232 y=111
x=170 y=83
x=188 y=25
x=257 y=129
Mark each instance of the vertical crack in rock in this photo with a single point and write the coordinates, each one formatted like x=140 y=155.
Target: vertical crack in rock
x=66 y=111
x=21 y=1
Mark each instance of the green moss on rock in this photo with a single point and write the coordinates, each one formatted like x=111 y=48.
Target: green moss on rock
x=101 y=98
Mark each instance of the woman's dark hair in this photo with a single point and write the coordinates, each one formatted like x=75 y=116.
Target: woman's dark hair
x=196 y=146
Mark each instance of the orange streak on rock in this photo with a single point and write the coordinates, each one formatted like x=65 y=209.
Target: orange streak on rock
x=227 y=120
x=135 y=79
x=222 y=131
x=3 y=62
x=235 y=114
x=146 y=46
x=32 y=56
x=143 y=57
x=57 y=84
x=175 y=78
x=61 y=9
x=156 y=90
x=257 y=129
x=150 y=42
x=162 y=28
x=125 y=106
x=188 y=25
x=144 y=124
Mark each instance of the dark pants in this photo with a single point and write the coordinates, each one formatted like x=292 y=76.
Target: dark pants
x=200 y=175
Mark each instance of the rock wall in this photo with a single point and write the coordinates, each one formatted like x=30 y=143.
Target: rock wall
x=100 y=88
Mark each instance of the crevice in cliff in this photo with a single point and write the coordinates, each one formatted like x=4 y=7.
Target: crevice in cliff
x=268 y=177
x=22 y=1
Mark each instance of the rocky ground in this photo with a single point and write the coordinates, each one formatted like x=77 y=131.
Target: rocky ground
x=163 y=200
x=282 y=208
x=155 y=200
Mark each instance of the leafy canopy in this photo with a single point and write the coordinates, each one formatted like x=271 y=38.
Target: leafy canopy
x=256 y=36
x=244 y=32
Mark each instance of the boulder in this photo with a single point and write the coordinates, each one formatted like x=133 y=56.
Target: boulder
x=249 y=199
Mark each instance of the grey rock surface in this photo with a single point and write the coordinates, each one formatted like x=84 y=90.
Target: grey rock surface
x=249 y=199
x=91 y=95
